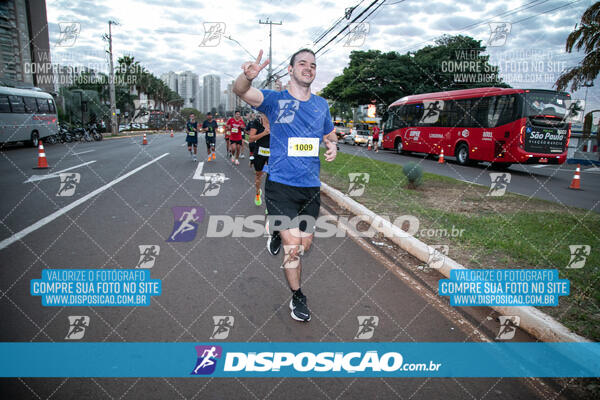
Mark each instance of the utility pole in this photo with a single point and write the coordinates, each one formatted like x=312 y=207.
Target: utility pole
x=270 y=70
x=113 y=109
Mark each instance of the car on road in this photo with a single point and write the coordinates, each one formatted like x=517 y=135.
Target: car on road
x=341 y=130
x=359 y=134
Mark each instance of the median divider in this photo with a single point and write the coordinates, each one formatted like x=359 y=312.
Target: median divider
x=535 y=322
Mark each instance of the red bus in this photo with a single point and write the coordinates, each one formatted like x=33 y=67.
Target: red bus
x=501 y=126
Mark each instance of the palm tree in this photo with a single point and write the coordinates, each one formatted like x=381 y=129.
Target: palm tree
x=586 y=36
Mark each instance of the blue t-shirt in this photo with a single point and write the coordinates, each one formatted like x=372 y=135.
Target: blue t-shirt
x=292 y=118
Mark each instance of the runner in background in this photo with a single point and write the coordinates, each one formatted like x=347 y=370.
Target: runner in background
x=259 y=137
x=376 y=138
x=210 y=126
x=235 y=126
x=192 y=136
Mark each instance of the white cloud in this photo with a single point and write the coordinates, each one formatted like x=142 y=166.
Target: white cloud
x=165 y=36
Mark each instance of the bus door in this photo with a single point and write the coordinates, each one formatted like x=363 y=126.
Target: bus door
x=414 y=135
x=434 y=126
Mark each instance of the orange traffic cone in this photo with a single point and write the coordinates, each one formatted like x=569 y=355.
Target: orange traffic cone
x=144 y=141
x=42 y=162
x=441 y=159
x=369 y=145
x=576 y=182
x=171 y=132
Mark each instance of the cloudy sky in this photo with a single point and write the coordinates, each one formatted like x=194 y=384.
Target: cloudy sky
x=169 y=37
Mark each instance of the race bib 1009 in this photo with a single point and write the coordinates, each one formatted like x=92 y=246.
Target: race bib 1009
x=303 y=147
x=264 y=151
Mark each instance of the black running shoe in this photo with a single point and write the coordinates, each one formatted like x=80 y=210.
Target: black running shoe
x=300 y=311
x=274 y=243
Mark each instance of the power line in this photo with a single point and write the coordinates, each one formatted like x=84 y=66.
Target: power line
x=346 y=27
x=474 y=25
x=321 y=37
x=340 y=32
x=545 y=12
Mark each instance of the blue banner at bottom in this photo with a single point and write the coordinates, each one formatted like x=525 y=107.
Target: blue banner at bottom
x=299 y=359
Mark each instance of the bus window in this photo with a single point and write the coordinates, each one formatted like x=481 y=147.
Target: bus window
x=52 y=107
x=4 y=104
x=43 y=106
x=30 y=105
x=412 y=113
x=463 y=112
x=500 y=110
x=479 y=112
x=16 y=104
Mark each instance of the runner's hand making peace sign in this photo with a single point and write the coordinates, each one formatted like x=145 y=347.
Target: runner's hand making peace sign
x=252 y=68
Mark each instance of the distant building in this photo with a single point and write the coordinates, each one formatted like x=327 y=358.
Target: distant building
x=170 y=79
x=25 y=46
x=200 y=98
x=212 y=92
x=187 y=87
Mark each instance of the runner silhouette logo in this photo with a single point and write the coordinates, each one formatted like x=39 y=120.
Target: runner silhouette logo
x=287 y=111
x=68 y=184
x=579 y=254
x=185 y=224
x=222 y=326
x=207 y=359
x=77 y=325
x=148 y=254
x=366 y=326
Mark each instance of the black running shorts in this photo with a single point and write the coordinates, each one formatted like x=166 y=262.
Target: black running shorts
x=253 y=146
x=191 y=140
x=235 y=141
x=299 y=204
x=210 y=141
x=259 y=162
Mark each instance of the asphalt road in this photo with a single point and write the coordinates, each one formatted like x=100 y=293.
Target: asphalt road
x=343 y=278
x=547 y=182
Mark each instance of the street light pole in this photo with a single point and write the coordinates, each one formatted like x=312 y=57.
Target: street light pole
x=270 y=70
x=113 y=108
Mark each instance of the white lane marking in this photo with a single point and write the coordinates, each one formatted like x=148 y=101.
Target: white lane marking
x=198 y=173
x=217 y=178
x=83 y=152
x=593 y=169
x=21 y=234
x=540 y=166
x=35 y=178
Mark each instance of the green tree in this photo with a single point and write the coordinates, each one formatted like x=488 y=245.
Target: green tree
x=340 y=109
x=586 y=36
x=185 y=113
x=385 y=77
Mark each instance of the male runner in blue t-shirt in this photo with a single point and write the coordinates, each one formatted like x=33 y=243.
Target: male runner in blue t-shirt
x=299 y=121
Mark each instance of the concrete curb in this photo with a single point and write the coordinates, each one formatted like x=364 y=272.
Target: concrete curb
x=533 y=321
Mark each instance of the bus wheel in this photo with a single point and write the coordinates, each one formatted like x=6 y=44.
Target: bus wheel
x=462 y=154
x=35 y=139
x=399 y=147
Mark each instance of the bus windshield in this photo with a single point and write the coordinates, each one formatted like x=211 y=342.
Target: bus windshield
x=547 y=104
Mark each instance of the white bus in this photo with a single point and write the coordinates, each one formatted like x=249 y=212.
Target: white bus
x=26 y=115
